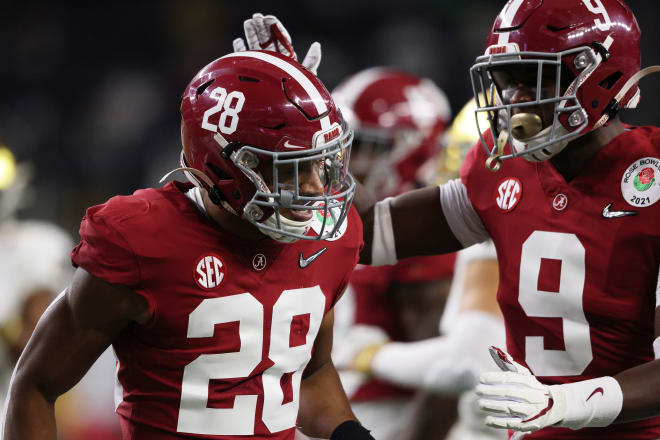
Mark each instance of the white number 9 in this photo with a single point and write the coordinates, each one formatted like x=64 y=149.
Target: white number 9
x=565 y=304
x=599 y=9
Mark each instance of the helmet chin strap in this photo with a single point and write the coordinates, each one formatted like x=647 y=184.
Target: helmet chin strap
x=192 y=174
x=622 y=93
x=194 y=171
x=542 y=137
x=287 y=225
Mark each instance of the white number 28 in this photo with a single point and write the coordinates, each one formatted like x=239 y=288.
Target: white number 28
x=194 y=415
x=230 y=104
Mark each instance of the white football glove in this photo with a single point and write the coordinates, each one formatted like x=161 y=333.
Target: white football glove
x=266 y=32
x=515 y=399
x=354 y=341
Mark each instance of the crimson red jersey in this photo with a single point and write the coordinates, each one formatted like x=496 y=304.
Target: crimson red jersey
x=232 y=322
x=578 y=264
x=369 y=287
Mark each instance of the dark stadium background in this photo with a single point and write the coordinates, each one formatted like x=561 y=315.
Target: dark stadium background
x=90 y=91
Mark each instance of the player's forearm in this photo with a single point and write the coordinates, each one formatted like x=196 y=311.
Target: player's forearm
x=388 y=363
x=640 y=386
x=318 y=417
x=30 y=415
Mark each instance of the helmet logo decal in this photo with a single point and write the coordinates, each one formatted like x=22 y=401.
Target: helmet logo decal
x=293 y=147
x=599 y=9
x=509 y=193
x=209 y=271
x=323 y=137
x=639 y=185
x=427 y=103
x=332 y=134
x=504 y=48
x=230 y=104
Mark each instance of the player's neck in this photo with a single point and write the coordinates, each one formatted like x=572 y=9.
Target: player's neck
x=230 y=222
x=572 y=160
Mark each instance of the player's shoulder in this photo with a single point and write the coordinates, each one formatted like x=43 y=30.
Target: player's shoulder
x=147 y=210
x=644 y=139
x=475 y=159
x=649 y=132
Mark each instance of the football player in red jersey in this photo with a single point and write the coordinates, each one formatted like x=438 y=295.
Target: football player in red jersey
x=216 y=296
x=399 y=120
x=574 y=221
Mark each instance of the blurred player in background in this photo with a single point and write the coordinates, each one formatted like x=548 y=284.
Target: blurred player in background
x=35 y=268
x=216 y=295
x=35 y=265
x=471 y=322
x=399 y=121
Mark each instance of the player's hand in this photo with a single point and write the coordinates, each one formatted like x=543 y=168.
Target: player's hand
x=266 y=32
x=357 y=347
x=515 y=399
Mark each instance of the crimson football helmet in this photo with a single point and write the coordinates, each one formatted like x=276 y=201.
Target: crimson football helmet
x=399 y=119
x=252 y=123
x=587 y=50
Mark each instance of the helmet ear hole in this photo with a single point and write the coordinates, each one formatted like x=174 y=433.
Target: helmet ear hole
x=218 y=172
x=611 y=80
x=204 y=86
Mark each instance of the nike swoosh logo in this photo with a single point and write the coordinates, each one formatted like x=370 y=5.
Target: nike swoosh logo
x=293 y=147
x=551 y=403
x=304 y=262
x=616 y=214
x=597 y=390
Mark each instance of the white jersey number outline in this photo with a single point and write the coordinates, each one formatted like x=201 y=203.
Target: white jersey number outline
x=194 y=415
x=566 y=304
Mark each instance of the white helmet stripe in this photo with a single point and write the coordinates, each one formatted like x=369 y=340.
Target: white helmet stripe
x=349 y=91
x=296 y=74
x=509 y=15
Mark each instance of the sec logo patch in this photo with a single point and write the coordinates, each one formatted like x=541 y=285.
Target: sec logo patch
x=209 y=271
x=508 y=194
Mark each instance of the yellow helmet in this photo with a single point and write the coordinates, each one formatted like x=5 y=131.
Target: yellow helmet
x=459 y=139
x=7 y=167
x=14 y=183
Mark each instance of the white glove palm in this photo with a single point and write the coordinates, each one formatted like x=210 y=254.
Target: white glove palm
x=266 y=32
x=515 y=399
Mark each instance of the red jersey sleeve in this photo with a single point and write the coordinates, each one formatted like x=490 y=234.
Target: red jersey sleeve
x=105 y=251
